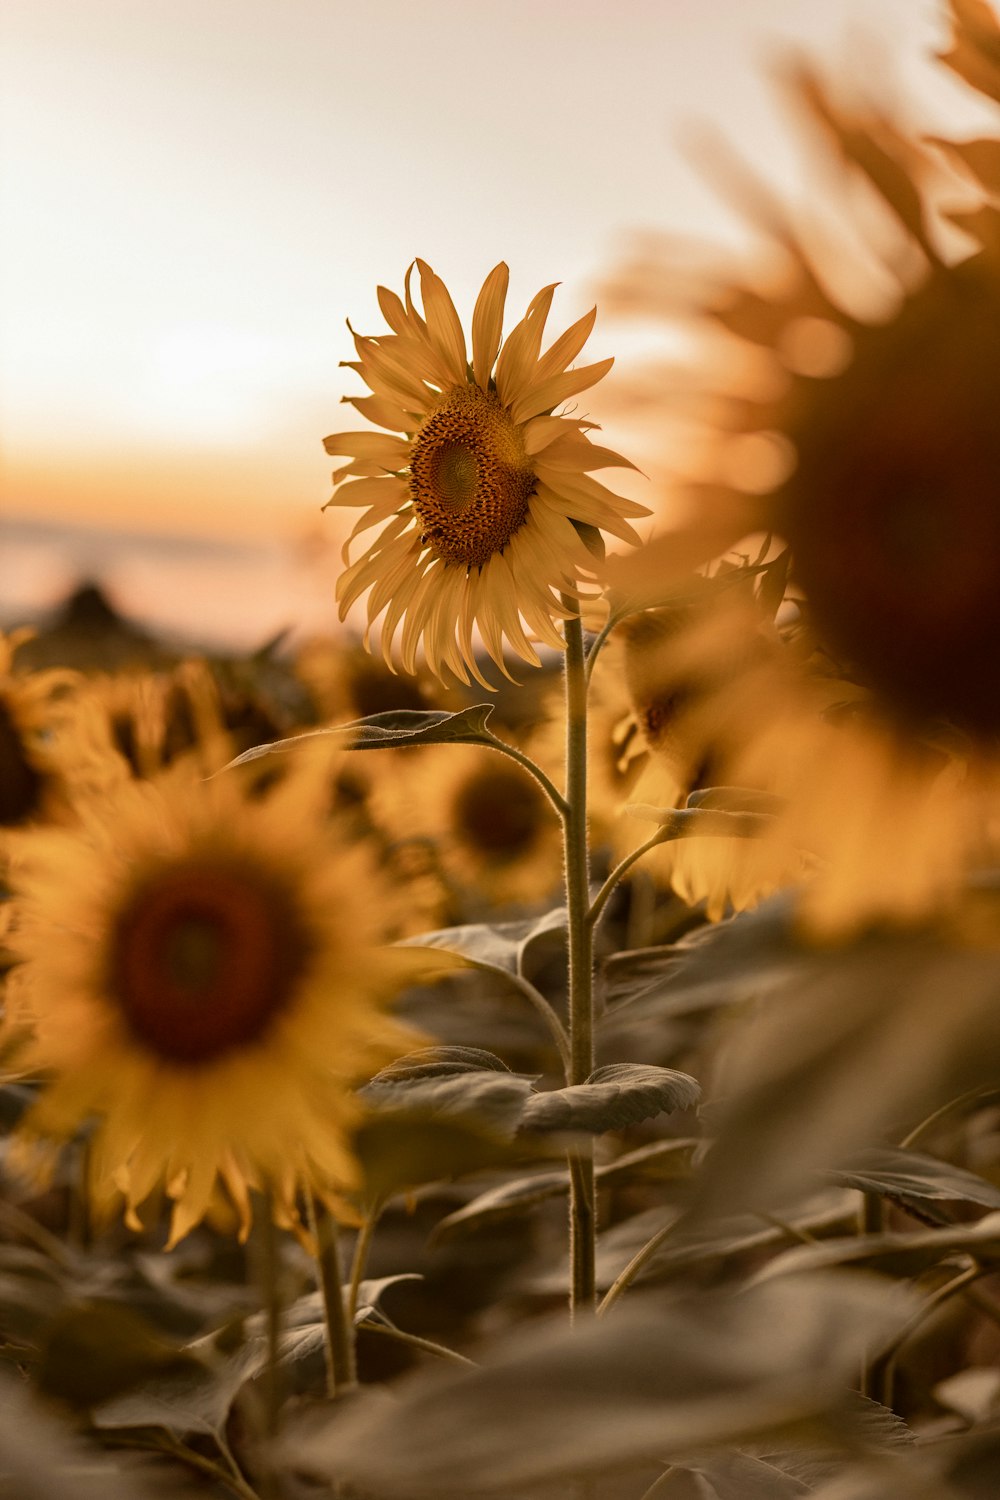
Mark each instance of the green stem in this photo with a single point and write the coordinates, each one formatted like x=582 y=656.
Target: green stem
x=945 y=1109
x=641 y=1258
x=581 y=964
x=556 y=1028
x=426 y=1346
x=269 y=1275
x=873 y=1371
x=341 y=1365
x=619 y=872
x=525 y=761
x=360 y=1260
x=266 y=1407
x=597 y=644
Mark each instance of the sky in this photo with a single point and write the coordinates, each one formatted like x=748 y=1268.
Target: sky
x=198 y=193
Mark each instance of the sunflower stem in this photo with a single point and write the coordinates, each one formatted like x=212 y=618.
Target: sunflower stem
x=596 y=646
x=362 y=1245
x=583 y=1223
x=551 y=791
x=341 y=1358
x=267 y=1267
x=619 y=872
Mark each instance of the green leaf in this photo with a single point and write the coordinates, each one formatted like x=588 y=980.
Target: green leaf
x=434 y=1062
x=682 y=1245
x=42 y=1458
x=895 y=1254
x=372 y=1291
x=658 y=975
x=856 y=1425
x=96 y=1350
x=659 y=1161
x=499 y=947
x=654 y=1378
x=505 y=1201
x=913 y=1179
x=614 y=1096
x=843 y=1042
x=392 y=730
x=735 y=799
x=702 y=822
x=438 y=1113
x=465 y=1082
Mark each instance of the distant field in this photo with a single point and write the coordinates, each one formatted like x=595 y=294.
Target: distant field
x=208 y=591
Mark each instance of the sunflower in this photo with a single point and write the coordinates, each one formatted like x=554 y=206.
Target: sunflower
x=53 y=747
x=489 y=514
x=494 y=831
x=684 y=707
x=156 y=718
x=198 y=973
x=876 y=405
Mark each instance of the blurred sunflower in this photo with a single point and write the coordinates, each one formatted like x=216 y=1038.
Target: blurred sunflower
x=198 y=972
x=53 y=747
x=493 y=828
x=345 y=682
x=489 y=514
x=156 y=718
x=685 y=707
x=870 y=446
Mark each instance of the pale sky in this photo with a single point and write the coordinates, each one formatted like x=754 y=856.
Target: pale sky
x=196 y=194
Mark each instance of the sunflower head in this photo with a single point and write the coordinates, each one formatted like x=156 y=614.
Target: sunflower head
x=215 y=990
x=874 y=378
x=893 y=512
x=490 y=517
x=54 y=747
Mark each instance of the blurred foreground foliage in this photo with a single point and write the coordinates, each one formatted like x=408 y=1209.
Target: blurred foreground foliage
x=799 y=1281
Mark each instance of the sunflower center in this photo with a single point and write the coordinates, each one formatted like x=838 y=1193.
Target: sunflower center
x=21 y=786
x=470 y=480
x=894 y=511
x=203 y=959
x=499 y=813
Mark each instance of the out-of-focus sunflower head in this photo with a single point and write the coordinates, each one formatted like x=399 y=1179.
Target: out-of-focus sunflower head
x=199 y=974
x=697 y=673
x=865 y=438
x=488 y=824
x=54 y=747
x=346 y=682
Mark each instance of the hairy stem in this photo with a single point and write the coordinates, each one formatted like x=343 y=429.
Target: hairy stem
x=527 y=764
x=583 y=1223
x=341 y=1365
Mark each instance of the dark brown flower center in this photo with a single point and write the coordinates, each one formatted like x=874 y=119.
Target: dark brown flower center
x=21 y=785
x=470 y=480
x=499 y=812
x=894 y=510
x=203 y=958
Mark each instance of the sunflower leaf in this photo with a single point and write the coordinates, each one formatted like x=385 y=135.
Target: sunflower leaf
x=94 y=1351
x=702 y=822
x=497 y=947
x=614 y=1096
x=659 y=1160
x=893 y=1253
x=390 y=730
x=505 y=1201
x=438 y=1113
x=716 y=1368
x=913 y=1178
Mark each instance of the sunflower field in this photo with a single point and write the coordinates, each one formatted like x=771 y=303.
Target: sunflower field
x=548 y=1045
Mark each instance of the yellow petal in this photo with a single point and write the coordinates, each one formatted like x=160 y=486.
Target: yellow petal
x=487 y=323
